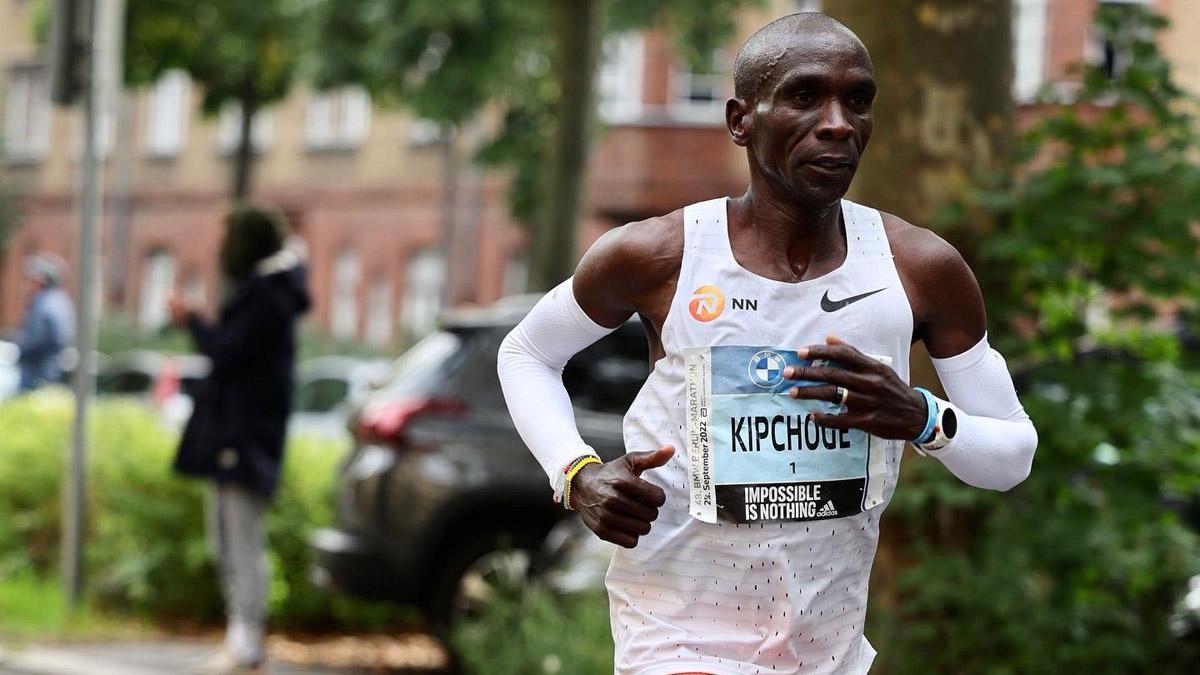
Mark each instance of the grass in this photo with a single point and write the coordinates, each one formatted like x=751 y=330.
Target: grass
x=531 y=630
x=33 y=608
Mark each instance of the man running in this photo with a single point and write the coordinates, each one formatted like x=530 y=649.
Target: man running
x=766 y=442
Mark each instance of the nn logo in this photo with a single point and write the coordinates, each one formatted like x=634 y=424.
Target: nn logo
x=744 y=303
x=707 y=303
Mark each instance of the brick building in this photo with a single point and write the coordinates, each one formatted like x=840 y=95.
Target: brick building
x=366 y=187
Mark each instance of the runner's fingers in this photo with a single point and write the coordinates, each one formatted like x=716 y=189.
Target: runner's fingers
x=846 y=378
x=822 y=392
x=630 y=526
x=643 y=491
x=843 y=353
x=634 y=509
x=843 y=421
x=619 y=538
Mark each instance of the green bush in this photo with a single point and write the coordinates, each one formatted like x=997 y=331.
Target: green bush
x=147 y=549
x=119 y=334
x=1081 y=567
x=530 y=630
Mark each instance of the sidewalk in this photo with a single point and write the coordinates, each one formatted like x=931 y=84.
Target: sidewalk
x=182 y=656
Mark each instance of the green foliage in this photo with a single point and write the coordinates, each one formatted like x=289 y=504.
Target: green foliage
x=530 y=630
x=118 y=334
x=33 y=607
x=148 y=553
x=225 y=45
x=242 y=52
x=1103 y=206
x=1081 y=567
x=448 y=60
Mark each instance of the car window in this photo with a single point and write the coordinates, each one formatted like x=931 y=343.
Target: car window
x=124 y=382
x=608 y=375
x=426 y=367
x=321 y=395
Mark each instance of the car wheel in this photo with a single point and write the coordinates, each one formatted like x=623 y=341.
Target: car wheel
x=475 y=571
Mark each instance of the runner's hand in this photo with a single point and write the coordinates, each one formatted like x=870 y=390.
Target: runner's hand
x=879 y=402
x=614 y=501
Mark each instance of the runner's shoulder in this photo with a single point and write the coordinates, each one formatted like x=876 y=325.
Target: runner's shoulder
x=921 y=251
x=637 y=255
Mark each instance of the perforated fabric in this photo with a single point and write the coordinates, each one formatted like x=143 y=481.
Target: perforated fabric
x=777 y=598
x=530 y=365
x=996 y=441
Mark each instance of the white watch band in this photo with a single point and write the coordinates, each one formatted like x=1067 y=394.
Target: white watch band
x=945 y=427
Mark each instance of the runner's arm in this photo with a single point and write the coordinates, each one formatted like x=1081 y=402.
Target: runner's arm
x=995 y=441
x=530 y=365
x=532 y=357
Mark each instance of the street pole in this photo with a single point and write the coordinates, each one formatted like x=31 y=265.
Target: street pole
x=103 y=48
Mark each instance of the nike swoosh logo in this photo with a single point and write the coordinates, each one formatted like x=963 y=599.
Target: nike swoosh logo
x=834 y=305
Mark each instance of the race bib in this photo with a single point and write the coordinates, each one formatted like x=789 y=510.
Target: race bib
x=758 y=456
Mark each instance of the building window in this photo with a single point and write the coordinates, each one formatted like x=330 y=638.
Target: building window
x=1029 y=48
x=516 y=273
x=337 y=119
x=424 y=280
x=619 y=81
x=699 y=95
x=26 y=114
x=158 y=282
x=167 y=114
x=343 y=310
x=229 y=128
x=423 y=133
x=1107 y=54
x=379 y=312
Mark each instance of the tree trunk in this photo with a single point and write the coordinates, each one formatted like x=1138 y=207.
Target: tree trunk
x=243 y=159
x=943 y=120
x=944 y=115
x=577 y=29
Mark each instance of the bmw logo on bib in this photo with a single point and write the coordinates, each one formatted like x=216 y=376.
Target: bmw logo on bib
x=766 y=369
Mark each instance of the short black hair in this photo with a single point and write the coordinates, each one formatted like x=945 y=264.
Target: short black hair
x=753 y=66
x=252 y=233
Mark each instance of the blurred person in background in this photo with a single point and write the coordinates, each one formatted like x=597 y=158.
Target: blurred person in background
x=237 y=431
x=49 y=324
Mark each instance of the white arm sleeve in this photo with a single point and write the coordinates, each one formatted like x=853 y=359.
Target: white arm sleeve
x=995 y=442
x=530 y=364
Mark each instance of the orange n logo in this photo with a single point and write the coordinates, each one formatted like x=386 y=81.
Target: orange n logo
x=707 y=303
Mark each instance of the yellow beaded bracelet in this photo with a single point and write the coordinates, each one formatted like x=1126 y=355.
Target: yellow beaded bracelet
x=579 y=464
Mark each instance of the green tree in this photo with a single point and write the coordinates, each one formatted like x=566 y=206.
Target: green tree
x=533 y=62
x=245 y=53
x=1082 y=567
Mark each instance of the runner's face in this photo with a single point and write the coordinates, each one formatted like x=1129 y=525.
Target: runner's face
x=812 y=124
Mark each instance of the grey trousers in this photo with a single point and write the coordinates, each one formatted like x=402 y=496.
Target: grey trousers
x=238 y=537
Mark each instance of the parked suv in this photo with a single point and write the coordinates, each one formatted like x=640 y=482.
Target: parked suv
x=439 y=494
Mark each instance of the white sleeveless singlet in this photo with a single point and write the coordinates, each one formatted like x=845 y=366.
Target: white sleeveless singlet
x=776 y=580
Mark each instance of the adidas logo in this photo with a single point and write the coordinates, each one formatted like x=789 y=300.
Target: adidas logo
x=827 y=510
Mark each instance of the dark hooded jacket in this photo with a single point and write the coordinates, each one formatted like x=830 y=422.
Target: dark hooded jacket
x=239 y=425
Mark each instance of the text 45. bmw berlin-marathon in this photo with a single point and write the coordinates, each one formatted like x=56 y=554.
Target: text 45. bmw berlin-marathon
x=758 y=456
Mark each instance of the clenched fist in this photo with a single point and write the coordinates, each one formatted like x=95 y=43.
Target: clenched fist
x=614 y=501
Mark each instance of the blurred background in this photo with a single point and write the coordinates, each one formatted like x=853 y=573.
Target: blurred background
x=445 y=160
